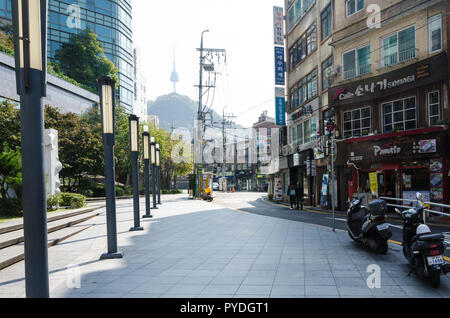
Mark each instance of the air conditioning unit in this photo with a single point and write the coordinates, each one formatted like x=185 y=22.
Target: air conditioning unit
x=333 y=71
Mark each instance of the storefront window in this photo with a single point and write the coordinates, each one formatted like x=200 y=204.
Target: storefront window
x=433 y=104
x=357 y=123
x=416 y=180
x=400 y=115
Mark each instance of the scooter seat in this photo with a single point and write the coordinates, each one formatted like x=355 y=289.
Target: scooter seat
x=431 y=237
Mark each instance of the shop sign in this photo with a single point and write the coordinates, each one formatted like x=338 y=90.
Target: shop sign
x=371 y=88
x=304 y=111
x=425 y=146
x=386 y=150
x=431 y=70
x=313 y=168
x=296 y=159
x=278 y=25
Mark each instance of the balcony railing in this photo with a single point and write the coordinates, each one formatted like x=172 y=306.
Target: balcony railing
x=361 y=70
x=399 y=57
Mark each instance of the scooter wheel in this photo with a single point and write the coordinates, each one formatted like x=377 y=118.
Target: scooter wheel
x=435 y=279
x=351 y=236
x=383 y=247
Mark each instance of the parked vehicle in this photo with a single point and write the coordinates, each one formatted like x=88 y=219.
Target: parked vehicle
x=368 y=226
x=423 y=250
x=215 y=186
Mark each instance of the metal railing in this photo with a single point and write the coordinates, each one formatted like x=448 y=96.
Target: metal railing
x=361 y=70
x=399 y=57
x=442 y=206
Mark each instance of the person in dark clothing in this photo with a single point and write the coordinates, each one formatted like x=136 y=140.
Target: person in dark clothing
x=299 y=192
x=292 y=195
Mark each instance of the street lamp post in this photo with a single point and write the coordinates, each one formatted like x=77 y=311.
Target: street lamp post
x=107 y=106
x=30 y=44
x=153 y=162
x=146 y=141
x=158 y=172
x=134 y=143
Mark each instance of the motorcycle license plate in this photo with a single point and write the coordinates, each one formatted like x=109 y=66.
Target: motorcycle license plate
x=383 y=227
x=435 y=260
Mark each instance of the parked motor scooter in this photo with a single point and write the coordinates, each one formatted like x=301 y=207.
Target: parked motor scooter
x=368 y=226
x=423 y=250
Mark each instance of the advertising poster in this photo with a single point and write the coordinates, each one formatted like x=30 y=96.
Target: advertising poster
x=373 y=177
x=436 y=181
x=278 y=190
x=324 y=196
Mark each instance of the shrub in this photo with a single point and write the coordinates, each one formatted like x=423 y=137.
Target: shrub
x=99 y=190
x=53 y=202
x=172 y=191
x=72 y=200
x=11 y=207
x=87 y=192
x=270 y=197
x=120 y=192
x=128 y=190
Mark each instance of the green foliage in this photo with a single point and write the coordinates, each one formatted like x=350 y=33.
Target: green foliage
x=11 y=207
x=9 y=125
x=6 y=39
x=80 y=145
x=83 y=59
x=72 y=200
x=53 y=68
x=10 y=172
x=120 y=192
x=172 y=191
x=53 y=202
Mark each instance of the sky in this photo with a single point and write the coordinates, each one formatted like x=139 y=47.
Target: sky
x=244 y=28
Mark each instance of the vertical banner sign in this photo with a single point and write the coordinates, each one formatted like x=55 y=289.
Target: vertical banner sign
x=279 y=66
x=278 y=26
x=280 y=110
x=373 y=177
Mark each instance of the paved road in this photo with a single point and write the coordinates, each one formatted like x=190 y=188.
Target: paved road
x=199 y=249
x=255 y=203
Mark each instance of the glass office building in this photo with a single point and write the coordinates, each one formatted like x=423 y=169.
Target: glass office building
x=109 y=19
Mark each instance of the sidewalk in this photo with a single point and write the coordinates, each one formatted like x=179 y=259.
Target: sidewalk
x=198 y=249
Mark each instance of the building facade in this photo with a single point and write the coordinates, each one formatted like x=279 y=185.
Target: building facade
x=309 y=26
x=390 y=98
x=109 y=19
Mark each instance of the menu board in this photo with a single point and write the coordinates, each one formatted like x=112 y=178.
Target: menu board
x=278 y=190
x=436 y=181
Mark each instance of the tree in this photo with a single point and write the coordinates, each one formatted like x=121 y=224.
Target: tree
x=83 y=59
x=10 y=171
x=9 y=125
x=80 y=145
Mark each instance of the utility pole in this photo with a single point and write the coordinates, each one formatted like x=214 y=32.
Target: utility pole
x=201 y=114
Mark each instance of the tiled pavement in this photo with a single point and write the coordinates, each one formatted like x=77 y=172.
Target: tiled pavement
x=198 y=249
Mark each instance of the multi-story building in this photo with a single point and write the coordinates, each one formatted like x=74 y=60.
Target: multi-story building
x=140 y=88
x=390 y=97
x=109 y=19
x=309 y=27
x=263 y=131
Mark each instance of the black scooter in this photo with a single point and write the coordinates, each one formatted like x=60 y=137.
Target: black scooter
x=424 y=251
x=369 y=227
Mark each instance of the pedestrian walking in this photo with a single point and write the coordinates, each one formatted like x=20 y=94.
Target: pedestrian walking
x=299 y=192
x=292 y=196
